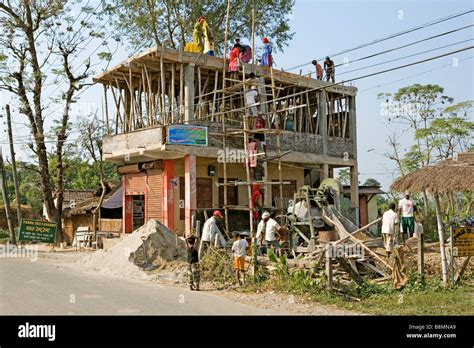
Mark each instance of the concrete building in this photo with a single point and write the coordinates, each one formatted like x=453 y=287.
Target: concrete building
x=162 y=97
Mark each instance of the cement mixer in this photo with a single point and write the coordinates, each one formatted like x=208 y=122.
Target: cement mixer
x=304 y=217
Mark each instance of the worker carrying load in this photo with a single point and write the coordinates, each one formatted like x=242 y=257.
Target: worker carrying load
x=203 y=40
x=330 y=69
x=267 y=59
x=245 y=53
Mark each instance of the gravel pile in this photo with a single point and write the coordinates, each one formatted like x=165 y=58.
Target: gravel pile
x=125 y=259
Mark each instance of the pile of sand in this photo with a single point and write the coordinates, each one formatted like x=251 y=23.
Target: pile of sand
x=125 y=259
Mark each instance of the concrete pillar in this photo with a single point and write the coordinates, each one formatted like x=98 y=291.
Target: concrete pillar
x=353 y=124
x=355 y=192
x=324 y=171
x=323 y=120
x=189 y=92
x=168 y=196
x=190 y=188
x=267 y=196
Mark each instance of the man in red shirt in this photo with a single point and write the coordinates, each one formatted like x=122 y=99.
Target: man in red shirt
x=319 y=70
x=257 y=201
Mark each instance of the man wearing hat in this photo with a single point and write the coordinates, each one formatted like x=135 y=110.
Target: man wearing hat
x=267 y=230
x=406 y=209
x=193 y=263
x=210 y=232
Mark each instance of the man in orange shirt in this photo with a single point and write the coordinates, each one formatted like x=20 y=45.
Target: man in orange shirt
x=319 y=70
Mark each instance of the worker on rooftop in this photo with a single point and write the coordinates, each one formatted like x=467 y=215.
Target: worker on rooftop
x=319 y=69
x=330 y=69
x=202 y=36
x=267 y=59
x=234 y=62
x=245 y=53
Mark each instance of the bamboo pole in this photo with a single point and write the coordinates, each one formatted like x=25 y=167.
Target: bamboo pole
x=173 y=92
x=277 y=126
x=247 y=172
x=216 y=81
x=224 y=140
x=163 y=85
x=106 y=106
x=444 y=268
x=181 y=92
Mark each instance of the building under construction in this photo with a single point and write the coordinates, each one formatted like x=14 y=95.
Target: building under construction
x=175 y=126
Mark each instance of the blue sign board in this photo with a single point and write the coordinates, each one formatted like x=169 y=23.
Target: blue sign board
x=187 y=135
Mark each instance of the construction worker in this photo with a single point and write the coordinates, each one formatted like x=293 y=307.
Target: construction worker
x=245 y=53
x=267 y=58
x=267 y=231
x=406 y=209
x=193 y=263
x=389 y=228
x=330 y=69
x=234 y=62
x=319 y=70
x=210 y=232
x=202 y=37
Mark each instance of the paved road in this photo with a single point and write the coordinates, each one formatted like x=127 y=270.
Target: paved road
x=45 y=288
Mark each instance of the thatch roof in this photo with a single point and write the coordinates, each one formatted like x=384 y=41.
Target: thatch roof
x=453 y=175
x=86 y=206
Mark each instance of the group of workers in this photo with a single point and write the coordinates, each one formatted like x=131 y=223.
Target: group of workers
x=268 y=233
x=402 y=221
x=329 y=68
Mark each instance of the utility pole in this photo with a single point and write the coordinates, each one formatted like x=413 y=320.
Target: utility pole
x=15 y=177
x=6 y=201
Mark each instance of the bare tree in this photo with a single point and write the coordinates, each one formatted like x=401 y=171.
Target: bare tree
x=37 y=34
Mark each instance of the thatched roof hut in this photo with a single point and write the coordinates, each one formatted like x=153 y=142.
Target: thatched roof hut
x=453 y=175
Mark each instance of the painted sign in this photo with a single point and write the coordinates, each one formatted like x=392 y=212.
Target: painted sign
x=463 y=241
x=37 y=230
x=187 y=135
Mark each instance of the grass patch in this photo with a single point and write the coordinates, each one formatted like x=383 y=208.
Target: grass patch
x=417 y=298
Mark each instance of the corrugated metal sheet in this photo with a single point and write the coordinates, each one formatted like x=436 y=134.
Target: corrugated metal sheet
x=135 y=184
x=154 y=196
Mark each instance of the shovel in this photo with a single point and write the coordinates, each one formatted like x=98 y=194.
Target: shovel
x=146 y=265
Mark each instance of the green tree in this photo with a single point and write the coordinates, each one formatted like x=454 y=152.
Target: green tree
x=41 y=38
x=372 y=182
x=151 y=22
x=344 y=176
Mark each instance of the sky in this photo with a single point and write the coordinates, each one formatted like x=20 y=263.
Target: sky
x=326 y=27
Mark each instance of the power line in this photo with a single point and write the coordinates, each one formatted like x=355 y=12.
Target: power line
x=407 y=45
x=390 y=36
x=404 y=57
x=408 y=77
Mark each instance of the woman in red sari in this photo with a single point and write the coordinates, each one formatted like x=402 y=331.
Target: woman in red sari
x=234 y=62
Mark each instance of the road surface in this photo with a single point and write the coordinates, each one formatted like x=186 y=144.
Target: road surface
x=31 y=288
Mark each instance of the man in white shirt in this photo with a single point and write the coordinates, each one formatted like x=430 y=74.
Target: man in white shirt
x=251 y=99
x=267 y=230
x=389 y=227
x=210 y=232
x=406 y=209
